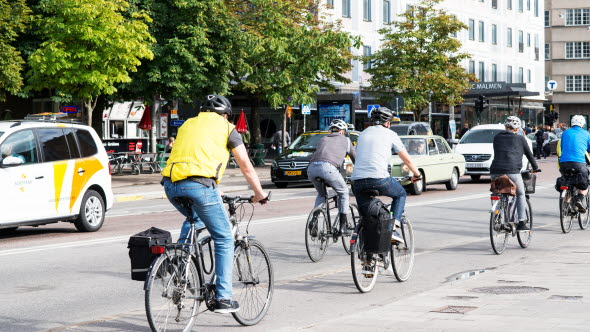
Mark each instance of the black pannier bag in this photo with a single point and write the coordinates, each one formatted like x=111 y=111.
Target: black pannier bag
x=377 y=228
x=530 y=182
x=140 y=251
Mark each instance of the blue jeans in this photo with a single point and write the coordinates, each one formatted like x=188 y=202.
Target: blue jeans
x=389 y=187
x=208 y=211
x=333 y=178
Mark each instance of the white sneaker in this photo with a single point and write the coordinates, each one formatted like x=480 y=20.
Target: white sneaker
x=396 y=237
x=397 y=223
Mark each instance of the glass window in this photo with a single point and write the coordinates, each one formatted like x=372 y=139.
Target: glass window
x=577 y=50
x=480 y=136
x=528 y=40
x=432 y=147
x=579 y=16
x=21 y=145
x=495 y=4
x=415 y=146
x=547 y=19
x=520 y=5
x=494 y=72
x=307 y=141
x=508 y=4
x=330 y=3
x=471 y=67
x=442 y=146
x=509 y=37
x=529 y=76
x=577 y=83
x=536 y=8
x=547 y=52
x=528 y=4
x=520 y=41
x=454 y=34
x=471 y=29
x=54 y=145
x=520 y=75
x=367 y=10
x=345 y=8
x=509 y=74
x=386 y=11
x=482 y=72
x=1 y=133
x=367 y=52
x=72 y=144
x=494 y=34
x=86 y=142
x=481 y=32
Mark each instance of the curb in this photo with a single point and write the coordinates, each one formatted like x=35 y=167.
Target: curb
x=161 y=195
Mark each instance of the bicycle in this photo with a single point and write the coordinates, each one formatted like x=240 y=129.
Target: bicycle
x=504 y=220
x=365 y=266
x=319 y=227
x=567 y=209
x=176 y=284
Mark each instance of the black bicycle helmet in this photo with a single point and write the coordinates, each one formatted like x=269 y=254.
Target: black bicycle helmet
x=381 y=115
x=216 y=103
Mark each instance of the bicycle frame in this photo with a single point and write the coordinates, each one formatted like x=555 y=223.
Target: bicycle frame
x=327 y=208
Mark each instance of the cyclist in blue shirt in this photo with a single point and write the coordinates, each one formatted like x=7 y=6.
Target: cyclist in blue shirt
x=573 y=152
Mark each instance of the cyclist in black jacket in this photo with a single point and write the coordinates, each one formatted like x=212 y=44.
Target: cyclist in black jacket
x=509 y=147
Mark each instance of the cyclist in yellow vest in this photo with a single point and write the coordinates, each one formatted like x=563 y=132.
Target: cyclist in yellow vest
x=195 y=167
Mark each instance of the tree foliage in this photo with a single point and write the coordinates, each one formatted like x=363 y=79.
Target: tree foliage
x=193 y=50
x=88 y=46
x=420 y=56
x=14 y=16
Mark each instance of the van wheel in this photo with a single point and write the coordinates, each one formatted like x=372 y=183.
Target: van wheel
x=454 y=181
x=92 y=212
x=417 y=188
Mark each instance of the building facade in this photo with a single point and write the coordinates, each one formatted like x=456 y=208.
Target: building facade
x=567 y=56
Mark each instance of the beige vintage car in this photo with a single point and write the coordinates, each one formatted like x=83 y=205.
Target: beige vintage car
x=434 y=158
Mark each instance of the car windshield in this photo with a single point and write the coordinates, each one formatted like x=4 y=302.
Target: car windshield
x=400 y=129
x=306 y=142
x=415 y=146
x=480 y=136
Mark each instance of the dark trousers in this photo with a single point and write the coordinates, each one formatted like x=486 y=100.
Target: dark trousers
x=539 y=151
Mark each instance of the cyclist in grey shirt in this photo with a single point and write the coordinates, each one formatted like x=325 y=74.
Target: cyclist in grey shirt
x=374 y=148
x=325 y=162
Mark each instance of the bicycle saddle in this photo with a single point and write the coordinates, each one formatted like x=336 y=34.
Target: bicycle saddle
x=183 y=201
x=319 y=179
x=371 y=192
x=569 y=172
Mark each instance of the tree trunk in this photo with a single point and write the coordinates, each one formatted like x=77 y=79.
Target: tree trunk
x=255 y=133
x=90 y=104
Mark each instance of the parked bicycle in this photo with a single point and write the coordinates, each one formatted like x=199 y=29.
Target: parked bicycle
x=320 y=231
x=177 y=284
x=567 y=208
x=504 y=220
x=366 y=266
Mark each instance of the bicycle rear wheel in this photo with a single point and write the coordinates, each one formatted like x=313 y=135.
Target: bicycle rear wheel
x=351 y=223
x=173 y=293
x=402 y=255
x=565 y=214
x=498 y=236
x=316 y=234
x=524 y=238
x=363 y=265
x=253 y=282
x=584 y=218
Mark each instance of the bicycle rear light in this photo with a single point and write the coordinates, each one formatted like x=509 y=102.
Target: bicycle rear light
x=564 y=188
x=352 y=241
x=158 y=250
x=495 y=198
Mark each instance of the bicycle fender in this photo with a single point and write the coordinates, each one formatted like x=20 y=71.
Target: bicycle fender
x=494 y=205
x=563 y=193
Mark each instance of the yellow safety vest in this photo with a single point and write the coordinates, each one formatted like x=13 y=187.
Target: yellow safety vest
x=200 y=148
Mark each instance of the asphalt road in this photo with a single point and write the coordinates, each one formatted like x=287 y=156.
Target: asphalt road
x=54 y=278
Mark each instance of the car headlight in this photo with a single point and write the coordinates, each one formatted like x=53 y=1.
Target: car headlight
x=406 y=170
x=274 y=164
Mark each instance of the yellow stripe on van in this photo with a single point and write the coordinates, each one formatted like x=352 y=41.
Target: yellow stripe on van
x=59 y=171
x=90 y=167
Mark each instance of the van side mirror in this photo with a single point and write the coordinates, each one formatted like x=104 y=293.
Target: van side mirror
x=453 y=141
x=11 y=161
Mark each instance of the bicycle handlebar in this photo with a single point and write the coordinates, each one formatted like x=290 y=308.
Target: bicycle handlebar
x=239 y=199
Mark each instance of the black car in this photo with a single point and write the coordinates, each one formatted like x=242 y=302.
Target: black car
x=411 y=128
x=291 y=165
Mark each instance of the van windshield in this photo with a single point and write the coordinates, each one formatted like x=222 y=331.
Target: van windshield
x=480 y=136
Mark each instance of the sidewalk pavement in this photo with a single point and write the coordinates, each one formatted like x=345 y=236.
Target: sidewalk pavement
x=129 y=187
x=548 y=293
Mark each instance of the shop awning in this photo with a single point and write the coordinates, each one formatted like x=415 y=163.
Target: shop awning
x=499 y=89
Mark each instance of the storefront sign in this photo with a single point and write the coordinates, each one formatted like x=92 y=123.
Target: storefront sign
x=69 y=109
x=137 y=110
x=119 y=111
x=333 y=110
x=489 y=86
x=176 y=123
x=163 y=125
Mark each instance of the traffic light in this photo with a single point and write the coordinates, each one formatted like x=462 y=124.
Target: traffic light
x=479 y=104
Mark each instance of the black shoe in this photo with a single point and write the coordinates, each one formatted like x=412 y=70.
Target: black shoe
x=343 y=225
x=522 y=227
x=226 y=306
x=581 y=203
x=313 y=226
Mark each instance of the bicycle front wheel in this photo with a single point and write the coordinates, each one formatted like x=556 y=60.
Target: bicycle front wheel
x=173 y=293
x=363 y=265
x=498 y=236
x=351 y=223
x=402 y=255
x=565 y=214
x=524 y=238
x=316 y=234
x=584 y=218
x=253 y=282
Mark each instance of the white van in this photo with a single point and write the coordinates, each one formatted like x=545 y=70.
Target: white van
x=52 y=172
x=477 y=146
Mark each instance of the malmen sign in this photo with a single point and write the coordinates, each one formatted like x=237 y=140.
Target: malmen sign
x=489 y=86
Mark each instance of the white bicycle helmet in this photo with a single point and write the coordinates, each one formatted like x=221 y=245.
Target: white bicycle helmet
x=337 y=125
x=512 y=122
x=578 y=120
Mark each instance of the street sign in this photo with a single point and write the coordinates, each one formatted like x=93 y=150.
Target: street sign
x=552 y=85
x=173 y=114
x=176 y=123
x=370 y=109
x=305 y=109
x=397 y=104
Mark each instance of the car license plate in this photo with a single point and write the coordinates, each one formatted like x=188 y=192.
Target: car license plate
x=475 y=165
x=292 y=173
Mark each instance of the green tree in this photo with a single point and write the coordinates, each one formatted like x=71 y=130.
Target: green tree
x=420 y=57
x=288 y=51
x=88 y=46
x=14 y=16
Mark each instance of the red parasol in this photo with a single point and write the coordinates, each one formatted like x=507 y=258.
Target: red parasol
x=242 y=126
x=146 y=120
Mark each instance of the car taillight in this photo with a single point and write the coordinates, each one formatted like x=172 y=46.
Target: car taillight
x=158 y=250
x=495 y=198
